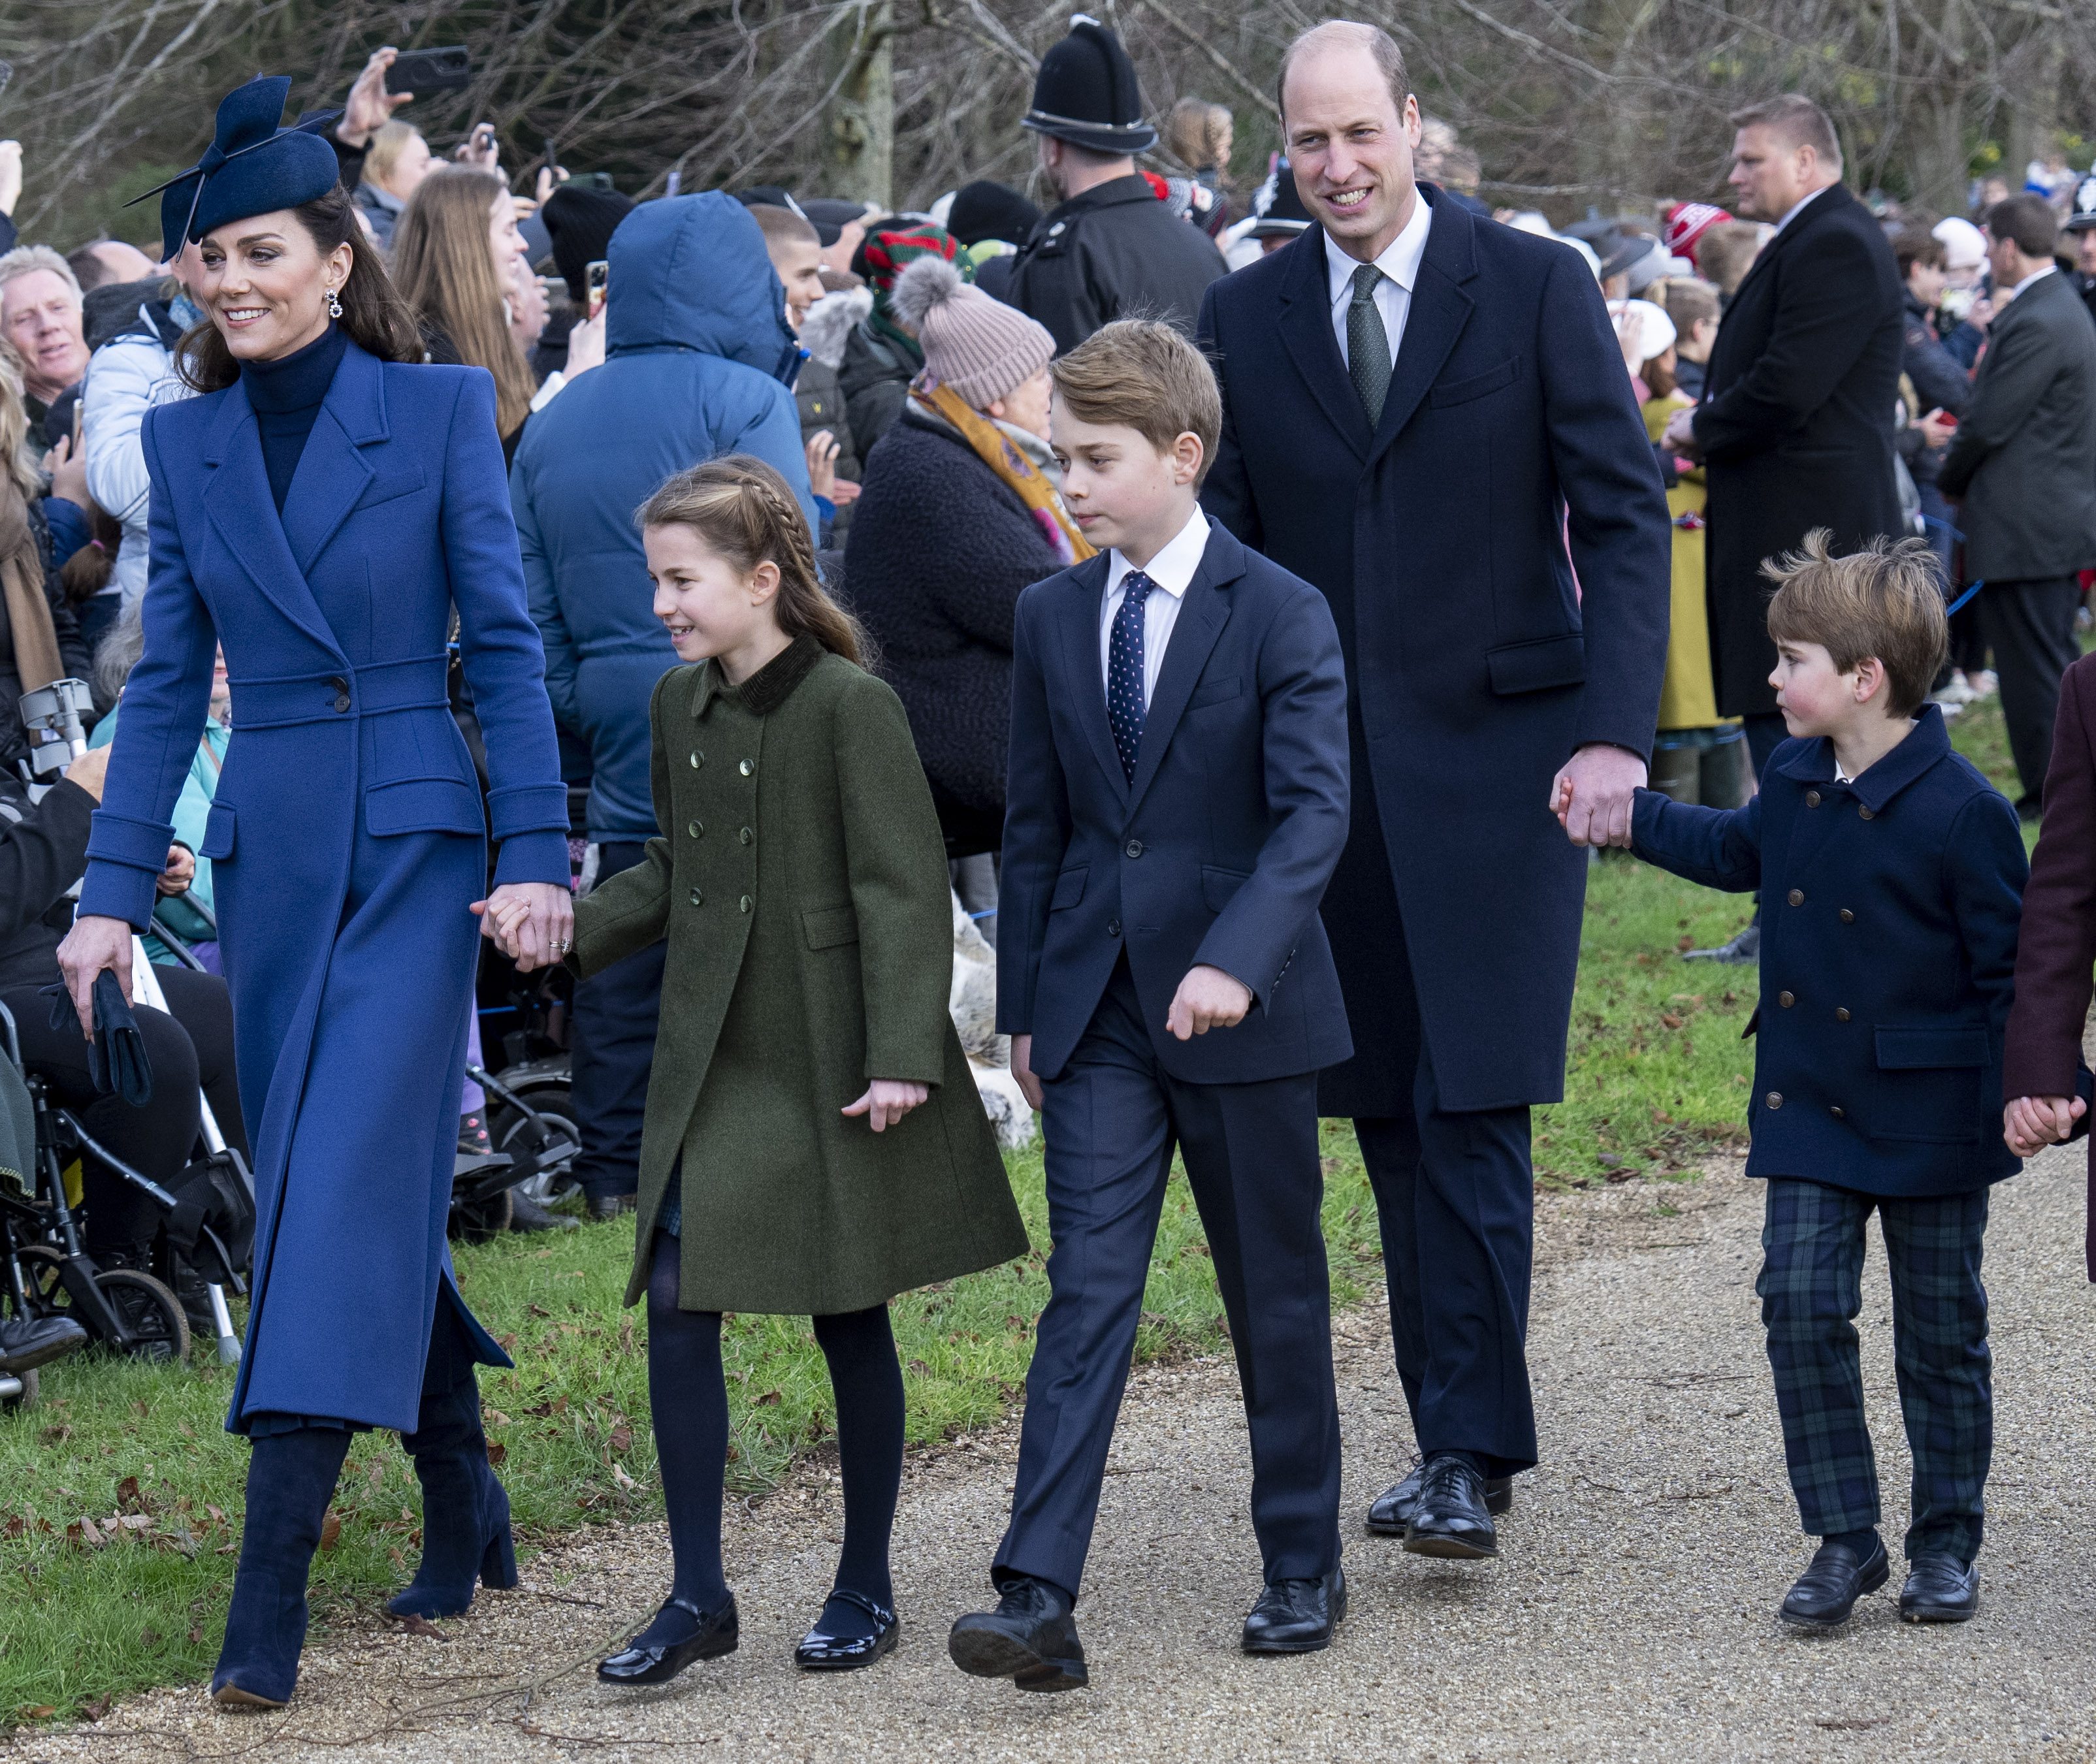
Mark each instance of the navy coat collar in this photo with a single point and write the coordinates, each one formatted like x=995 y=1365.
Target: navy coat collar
x=1439 y=310
x=1832 y=200
x=1930 y=742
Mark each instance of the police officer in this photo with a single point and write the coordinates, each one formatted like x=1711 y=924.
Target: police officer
x=1111 y=249
x=2082 y=224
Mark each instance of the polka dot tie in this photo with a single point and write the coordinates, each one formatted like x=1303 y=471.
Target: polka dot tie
x=1125 y=703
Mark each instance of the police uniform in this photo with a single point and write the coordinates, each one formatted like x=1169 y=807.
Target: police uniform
x=1116 y=251
x=2083 y=221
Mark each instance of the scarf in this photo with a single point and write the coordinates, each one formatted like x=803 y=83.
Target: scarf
x=28 y=613
x=1016 y=472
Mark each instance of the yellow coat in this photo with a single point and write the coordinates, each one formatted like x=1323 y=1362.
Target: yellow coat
x=1688 y=700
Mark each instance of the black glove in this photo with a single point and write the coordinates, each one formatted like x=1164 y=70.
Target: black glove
x=116 y=1061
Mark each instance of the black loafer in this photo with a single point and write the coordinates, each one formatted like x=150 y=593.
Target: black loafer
x=1450 y=1519
x=1031 y=1638
x=717 y=1633
x=1826 y=1591
x=821 y=1653
x=1297 y=1616
x=1391 y=1513
x=1939 y=1589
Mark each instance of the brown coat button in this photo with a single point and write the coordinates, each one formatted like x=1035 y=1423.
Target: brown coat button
x=1840 y=1013
x=1786 y=999
x=1773 y=1099
x=1796 y=897
x=1847 y=918
x=1866 y=814
x=1812 y=799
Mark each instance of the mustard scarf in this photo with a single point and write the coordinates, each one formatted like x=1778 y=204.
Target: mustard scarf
x=1017 y=472
x=37 y=659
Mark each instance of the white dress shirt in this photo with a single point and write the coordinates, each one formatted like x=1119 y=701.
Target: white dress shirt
x=2036 y=275
x=1400 y=265
x=1172 y=570
x=1799 y=207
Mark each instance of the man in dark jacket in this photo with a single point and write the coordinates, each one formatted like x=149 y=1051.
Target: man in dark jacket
x=697 y=355
x=2024 y=465
x=1111 y=250
x=1797 y=418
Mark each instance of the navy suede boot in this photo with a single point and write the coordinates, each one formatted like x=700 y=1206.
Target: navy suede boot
x=290 y=1480
x=465 y=1514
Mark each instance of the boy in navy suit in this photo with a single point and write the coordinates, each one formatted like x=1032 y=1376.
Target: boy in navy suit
x=1892 y=876
x=1178 y=802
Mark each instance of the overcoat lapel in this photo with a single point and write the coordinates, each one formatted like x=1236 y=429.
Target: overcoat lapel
x=332 y=470
x=1434 y=321
x=1081 y=656
x=1194 y=635
x=1306 y=329
x=237 y=499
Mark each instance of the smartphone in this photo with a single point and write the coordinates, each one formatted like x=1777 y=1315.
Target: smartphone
x=597 y=282
x=430 y=70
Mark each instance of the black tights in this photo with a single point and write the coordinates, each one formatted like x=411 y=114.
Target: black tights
x=687 y=1394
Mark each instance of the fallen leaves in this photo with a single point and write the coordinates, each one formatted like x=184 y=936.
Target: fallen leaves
x=422 y=1626
x=621 y=1437
x=496 y=1453
x=330 y=1529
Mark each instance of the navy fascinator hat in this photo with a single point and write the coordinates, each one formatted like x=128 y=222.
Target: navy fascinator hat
x=251 y=167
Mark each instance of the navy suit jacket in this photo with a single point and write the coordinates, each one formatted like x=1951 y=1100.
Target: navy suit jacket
x=1889 y=910
x=1218 y=852
x=1446 y=538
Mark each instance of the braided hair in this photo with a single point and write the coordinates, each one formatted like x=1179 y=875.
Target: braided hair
x=743 y=509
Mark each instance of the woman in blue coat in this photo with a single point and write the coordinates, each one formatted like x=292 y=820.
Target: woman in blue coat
x=320 y=510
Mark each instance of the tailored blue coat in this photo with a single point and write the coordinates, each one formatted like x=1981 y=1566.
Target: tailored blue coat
x=347 y=838
x=1217 y=852
x=1889 y=910
x=1496 y=551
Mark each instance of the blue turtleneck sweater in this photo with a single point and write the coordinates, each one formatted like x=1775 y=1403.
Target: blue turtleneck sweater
x=285 y=394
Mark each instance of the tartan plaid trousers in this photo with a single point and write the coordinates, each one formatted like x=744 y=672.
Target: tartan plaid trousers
x=1811 y=1290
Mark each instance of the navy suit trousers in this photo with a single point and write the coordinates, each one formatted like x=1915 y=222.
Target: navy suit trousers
x=612 y=1048
x=1112 y=1120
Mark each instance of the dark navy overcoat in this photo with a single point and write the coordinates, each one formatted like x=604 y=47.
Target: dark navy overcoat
x=348 y=839
x=1889 y=909
x=1510 y=453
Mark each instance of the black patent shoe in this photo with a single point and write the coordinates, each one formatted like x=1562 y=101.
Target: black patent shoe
x=1826 y=1591
x=1391 y=1513
x=1031 y=1638
x=1450 y=1519
x=818 y=1653
x=1939 y=1589
x=1297 y=1616
x=717 y=1633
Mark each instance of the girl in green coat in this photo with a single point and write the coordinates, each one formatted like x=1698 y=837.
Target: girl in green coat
x=814 y=1143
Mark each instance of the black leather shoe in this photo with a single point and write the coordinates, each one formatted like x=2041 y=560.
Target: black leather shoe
x=1743 y=951
x=30 y=1342
x=717 y=1633
x=1826 y=1591
x=1297 y=1616
x=526 y=1214
x=611 y=1206
x=1449 y=1518
x=1391 y=1510
x=1939 y=1589
x=1031 y=1638
x=818 y=1653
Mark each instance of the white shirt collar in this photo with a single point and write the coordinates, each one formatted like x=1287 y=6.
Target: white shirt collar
x=2034 y=276
x=1172 y=568
x=1799 y=208
x=1400 y=259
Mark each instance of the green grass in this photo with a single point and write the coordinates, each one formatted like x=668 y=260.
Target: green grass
x=1656 y=1075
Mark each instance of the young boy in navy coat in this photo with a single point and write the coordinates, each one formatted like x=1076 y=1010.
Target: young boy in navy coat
x=1177 y=800
x=1892 y=876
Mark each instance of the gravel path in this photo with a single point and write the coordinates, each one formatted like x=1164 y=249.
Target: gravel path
x=1631 y=1615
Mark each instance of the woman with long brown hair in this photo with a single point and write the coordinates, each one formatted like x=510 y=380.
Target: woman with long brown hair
x=40 y=638
x=455 y=252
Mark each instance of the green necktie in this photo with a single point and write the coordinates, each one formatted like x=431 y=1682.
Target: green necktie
x=1367 y=344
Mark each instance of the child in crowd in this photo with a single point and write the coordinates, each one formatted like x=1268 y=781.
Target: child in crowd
x=1177 y=802
x=814 y=1141
x=1891 y=875
x=1692 y=306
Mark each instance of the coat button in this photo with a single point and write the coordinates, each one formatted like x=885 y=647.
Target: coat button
x=1836 y=1113
x=1134 y=847
x=1840 y=1013
x=1773 y=1099
x=1786 y=999
x=747 y=766
x=1812 y=799
x=1113 y=927
x=745 y=836
x=1796 y=897
x=696 y=829
x=1847 y=918
x=747 y=903
x=698 y=898
x=698 y=759
x=341 y=701
x=1866 y=814
x=339 y=684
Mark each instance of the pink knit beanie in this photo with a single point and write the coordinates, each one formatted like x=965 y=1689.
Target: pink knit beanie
x=980 y=346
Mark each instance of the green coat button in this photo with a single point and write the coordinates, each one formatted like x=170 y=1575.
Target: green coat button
x=747 y=903
x=696 y=829
x=698 y=759
x=698 y=899
x=745 y=836
x=749 y=765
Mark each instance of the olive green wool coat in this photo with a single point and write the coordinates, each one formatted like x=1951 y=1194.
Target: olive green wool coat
x=802 y=885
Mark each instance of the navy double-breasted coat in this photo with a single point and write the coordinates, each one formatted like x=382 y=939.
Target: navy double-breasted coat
x=347 y=838
x=1889 y=912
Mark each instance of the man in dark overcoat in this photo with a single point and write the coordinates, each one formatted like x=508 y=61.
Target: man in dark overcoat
x=1795 y=424
x=1426 y=415
x=1110 y=249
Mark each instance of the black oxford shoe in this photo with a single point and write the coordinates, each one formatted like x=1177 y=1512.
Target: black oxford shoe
x=1297 y=1616
x=1391 y=1513
x=1826 y=1591
x=1031 y=1638
x=719 y=1632
x=1939 y=1589
x=1449 y=1518
x=821 y=1653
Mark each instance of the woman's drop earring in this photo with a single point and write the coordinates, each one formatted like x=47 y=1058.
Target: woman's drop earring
x=335 y=305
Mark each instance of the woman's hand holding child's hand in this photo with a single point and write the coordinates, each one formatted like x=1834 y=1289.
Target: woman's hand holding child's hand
x=2029 y=1124
x=887 y=1100
x=531 y=922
